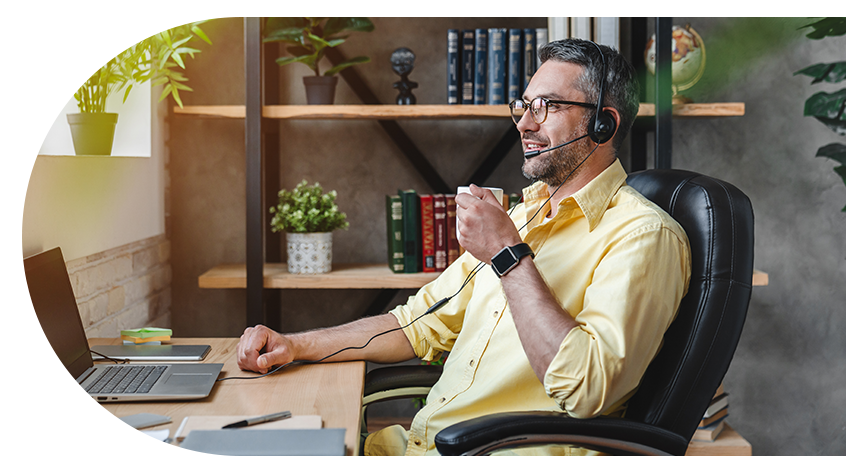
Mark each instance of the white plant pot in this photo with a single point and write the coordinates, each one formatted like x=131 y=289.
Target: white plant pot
x=309 y=253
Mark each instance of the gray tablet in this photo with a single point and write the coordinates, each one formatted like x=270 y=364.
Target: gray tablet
x=151 y=352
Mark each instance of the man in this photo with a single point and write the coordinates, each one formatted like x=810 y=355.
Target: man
x=571 y=320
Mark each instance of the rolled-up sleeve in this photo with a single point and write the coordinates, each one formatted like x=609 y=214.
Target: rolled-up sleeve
x=626 y=310
x=433 y=334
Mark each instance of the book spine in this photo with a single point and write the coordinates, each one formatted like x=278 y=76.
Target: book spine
x=393 y=211
x=453 y=68
x=480 y=74
x=497 y=45
x=452 y=241
x=467 y=66
x=411 y=230
x=439 y=204
x=529 y=53
x=515 y=64
x=541 y=37
x=427 y=232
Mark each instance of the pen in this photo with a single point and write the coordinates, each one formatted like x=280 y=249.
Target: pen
x=259 y=419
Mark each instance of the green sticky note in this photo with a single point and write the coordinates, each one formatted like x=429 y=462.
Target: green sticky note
x=148 y=332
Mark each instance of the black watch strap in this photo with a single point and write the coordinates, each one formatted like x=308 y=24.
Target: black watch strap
x=508 y=258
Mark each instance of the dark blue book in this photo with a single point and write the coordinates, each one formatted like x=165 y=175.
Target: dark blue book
x=480 y=74
x=467 y=65
x=529 y=53
x=515 y=64
x=497 y=46
x=453 y=68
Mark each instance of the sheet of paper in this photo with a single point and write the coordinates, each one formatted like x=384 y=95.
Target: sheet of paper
x=92 y=443
x=192 y=423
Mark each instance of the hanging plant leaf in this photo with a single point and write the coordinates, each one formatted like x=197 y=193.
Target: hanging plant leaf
x=828 y=108
x=826 y=27
x=831 y=73
x=836 y=152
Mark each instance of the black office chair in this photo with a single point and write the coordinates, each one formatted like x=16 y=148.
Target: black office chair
x=698 y=346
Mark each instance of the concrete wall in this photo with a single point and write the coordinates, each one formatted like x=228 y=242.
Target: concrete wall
x=786 y=383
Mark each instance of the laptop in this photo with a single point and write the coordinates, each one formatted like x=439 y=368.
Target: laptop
x=55 y=305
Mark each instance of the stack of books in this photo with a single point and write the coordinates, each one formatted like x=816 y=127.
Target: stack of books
x=149 y=335
x=493 y=65
x=714 y=420
x=421 y=234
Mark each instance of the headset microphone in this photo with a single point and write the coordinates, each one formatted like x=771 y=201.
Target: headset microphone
x=535 y=153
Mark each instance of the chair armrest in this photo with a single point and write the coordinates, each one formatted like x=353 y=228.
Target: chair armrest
x=610 y=435
x=389 y=383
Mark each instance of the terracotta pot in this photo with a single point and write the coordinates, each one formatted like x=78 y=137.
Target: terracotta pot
x=320 y=89
x=92 y=133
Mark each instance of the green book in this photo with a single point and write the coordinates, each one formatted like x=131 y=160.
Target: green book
x=411 y=230
x=148 y=332
x=393 y=216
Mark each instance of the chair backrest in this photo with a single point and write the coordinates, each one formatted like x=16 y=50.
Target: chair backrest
x=698 y=347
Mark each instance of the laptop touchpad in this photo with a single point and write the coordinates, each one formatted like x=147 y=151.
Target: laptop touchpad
x=185 y=379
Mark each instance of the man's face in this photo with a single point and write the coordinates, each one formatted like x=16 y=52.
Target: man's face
x=555 y=81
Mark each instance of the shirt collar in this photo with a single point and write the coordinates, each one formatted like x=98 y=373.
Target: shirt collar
x=593 y=199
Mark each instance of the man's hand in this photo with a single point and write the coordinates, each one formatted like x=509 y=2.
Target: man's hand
x=278 y=349
x=483 y=224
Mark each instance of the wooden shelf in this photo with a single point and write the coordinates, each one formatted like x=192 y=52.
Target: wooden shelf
x=426 y=111
x=343 y=276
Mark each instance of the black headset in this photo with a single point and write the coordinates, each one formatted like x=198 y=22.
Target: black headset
x=602 y=125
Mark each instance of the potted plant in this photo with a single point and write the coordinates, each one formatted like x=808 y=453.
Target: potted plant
x=308 y=216
x=95 y=57
x=309 y=39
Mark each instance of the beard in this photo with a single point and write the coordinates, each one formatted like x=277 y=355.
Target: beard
x=558 y=164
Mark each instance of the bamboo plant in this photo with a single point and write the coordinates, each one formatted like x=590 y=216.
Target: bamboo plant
x=94 y=57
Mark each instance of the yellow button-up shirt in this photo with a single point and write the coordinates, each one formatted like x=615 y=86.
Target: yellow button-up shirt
x=614 y=260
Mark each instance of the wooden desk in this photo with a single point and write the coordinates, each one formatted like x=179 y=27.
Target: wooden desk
x=331 y=390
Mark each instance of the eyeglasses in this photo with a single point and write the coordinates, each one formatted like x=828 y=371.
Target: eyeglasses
x=539 y=107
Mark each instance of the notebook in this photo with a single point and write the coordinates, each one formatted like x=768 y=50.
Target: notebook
x=55 y=305
x=298 y=442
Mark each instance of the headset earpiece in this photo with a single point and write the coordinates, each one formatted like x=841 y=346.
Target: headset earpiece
x=602 y=125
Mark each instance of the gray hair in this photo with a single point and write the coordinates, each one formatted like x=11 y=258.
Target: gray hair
x=621 y=86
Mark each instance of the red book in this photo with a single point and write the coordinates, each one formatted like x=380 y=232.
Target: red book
x=427 y=232
x=439 y=203
x=452 y=240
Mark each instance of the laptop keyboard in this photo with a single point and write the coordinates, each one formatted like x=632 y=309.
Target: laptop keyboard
x=127 y=379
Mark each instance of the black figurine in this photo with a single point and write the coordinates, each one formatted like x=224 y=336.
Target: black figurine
x=402 y=61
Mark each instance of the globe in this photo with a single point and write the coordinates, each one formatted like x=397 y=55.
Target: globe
x=688 y=60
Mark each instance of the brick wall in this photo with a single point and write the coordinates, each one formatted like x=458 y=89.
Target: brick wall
x=125 y=287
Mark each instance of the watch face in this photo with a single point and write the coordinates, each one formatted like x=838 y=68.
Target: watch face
x=502 y=261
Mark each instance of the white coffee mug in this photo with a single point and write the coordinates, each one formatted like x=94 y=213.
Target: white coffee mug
x=497 y=192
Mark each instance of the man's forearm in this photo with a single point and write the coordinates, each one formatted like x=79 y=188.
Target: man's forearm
x=541 y=323
x=386 y=348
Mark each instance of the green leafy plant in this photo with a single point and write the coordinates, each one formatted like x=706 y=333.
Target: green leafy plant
x=828 y=108
x=93 y=57
x=307 y=209
x=310 y=38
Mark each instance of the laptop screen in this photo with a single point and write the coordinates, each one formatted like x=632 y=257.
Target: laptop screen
x=55 y=305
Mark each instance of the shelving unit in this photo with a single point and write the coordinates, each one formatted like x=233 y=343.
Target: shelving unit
x=260 y=272
x=430 y=111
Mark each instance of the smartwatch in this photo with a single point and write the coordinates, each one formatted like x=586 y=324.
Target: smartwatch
x=509 y=257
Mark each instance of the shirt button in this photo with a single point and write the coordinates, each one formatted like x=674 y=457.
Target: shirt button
x=417 y=442
x=443 y=399
x=472 y=362
x=496 y=313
